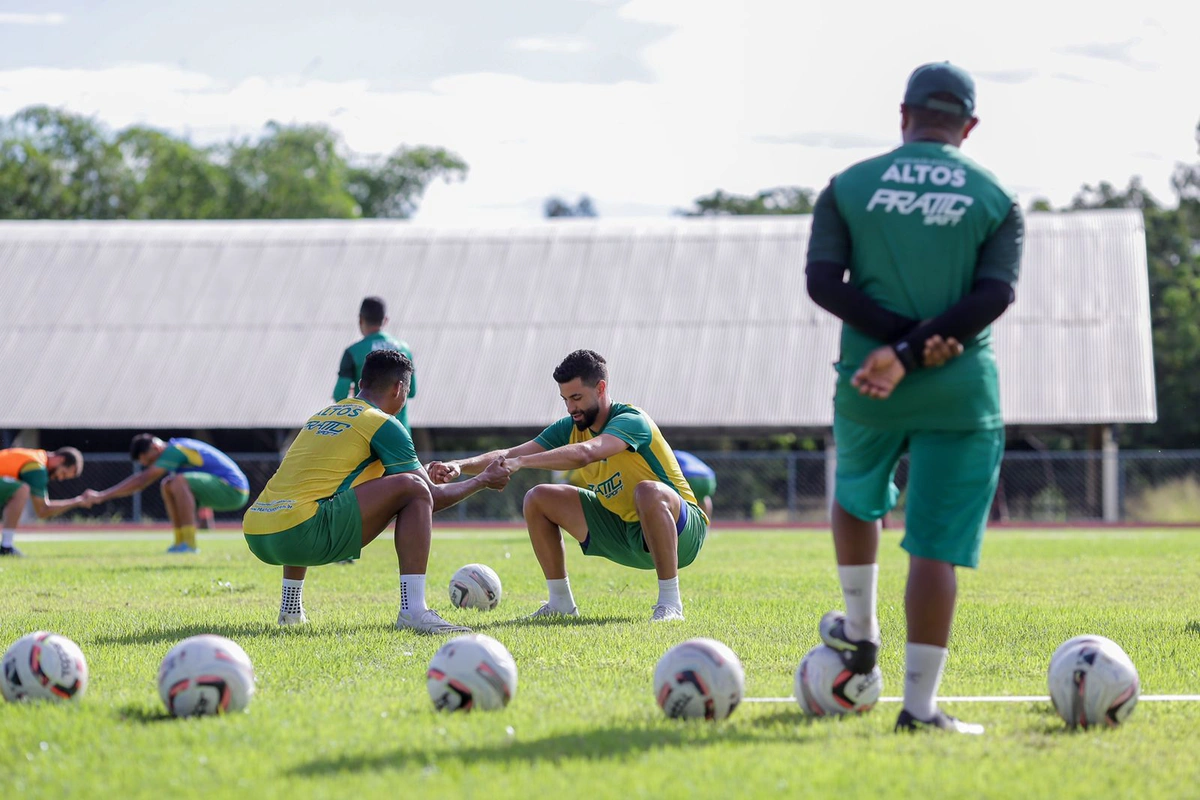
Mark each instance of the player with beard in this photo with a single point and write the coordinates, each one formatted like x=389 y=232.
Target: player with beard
x=637 y=509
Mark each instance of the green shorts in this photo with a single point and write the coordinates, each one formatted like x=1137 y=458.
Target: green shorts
x=702 y=486
x=952 y=478
x=622 y=542
x=334 y=534
x=8 y=487
x=213 y=492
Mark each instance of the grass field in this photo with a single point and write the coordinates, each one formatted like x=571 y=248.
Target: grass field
x=342 y=709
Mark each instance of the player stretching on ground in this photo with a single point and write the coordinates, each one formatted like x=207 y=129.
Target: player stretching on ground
x=350 y=472
x=196 y=475
x=372 y=316
x=25 y=475
x=926 y=234
x=638 y=510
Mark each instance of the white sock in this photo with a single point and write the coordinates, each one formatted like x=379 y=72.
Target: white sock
x=668 y=593
x=859 y=590
x=923 y=665
x=292 y=601
x=6 y=537
x=412 y=595
x=561 y=598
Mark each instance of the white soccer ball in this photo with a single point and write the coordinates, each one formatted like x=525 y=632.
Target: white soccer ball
x=472 y=672
x=700 y=678
x=475 y=586
x=44 y=666
x=824 y=687
x=205 y=674
x=1092 y=682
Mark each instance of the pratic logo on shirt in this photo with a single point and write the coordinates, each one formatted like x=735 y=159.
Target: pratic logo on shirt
x=921 y=173
x=347 y=410
x=938 y=208
x=326 y=427
x=271 y=508
x=609 y=488
x=381 y=344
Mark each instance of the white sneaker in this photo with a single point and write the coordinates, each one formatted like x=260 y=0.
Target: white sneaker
x=547 y=611
x=428 y=621
x=293 y=619
x=666 y=614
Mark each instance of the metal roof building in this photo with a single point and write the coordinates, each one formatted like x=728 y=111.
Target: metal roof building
x=704 y=322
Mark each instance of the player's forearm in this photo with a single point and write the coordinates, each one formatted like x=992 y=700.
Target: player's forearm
x=448 y=494
x=850 y=304
x=477 y=464
x=966 y=319
x=572 y=456
x=52 y=508
x=131 y=485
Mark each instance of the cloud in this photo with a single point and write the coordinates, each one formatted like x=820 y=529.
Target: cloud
x=8 y=18
x=1119 y=52
x=835 y=140
x=563 y=45
x=1065 y=76
x=1007 y=75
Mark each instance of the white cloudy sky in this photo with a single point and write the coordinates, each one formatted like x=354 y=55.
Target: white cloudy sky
x=642 y=104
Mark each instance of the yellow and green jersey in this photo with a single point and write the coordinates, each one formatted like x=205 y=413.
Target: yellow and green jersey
x=648 y=457
x=339 y=447
x=355 y=356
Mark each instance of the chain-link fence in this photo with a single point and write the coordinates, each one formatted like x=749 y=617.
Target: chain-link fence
x=786 y=487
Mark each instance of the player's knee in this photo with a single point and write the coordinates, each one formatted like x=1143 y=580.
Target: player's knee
x=178 y=487
x=411 y=489
x=21 y=495
x=648 y=493
x=534 y=499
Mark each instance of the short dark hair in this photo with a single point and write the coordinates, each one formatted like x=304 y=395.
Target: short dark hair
x=373 y=310
x=587 y=365
x=382 y=368
x=932 y=119
x=140 y=444
x=71 y=458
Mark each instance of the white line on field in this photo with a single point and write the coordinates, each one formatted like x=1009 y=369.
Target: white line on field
x=1017 y=698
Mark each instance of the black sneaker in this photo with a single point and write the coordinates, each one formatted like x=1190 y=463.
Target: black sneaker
x=11 y=551
x=858 y=655
x=941 y=722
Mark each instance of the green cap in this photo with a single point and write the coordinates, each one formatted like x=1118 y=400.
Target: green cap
x=941 y=78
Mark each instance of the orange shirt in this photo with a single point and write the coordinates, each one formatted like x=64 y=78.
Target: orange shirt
x=14 y=459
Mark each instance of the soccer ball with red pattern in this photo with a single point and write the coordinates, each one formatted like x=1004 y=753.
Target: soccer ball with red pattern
x=824 y=687
x=44 y=666
x=475 y=586
x=205 y=675
x=700 y=679
x=1092 y=682
x=472 y=672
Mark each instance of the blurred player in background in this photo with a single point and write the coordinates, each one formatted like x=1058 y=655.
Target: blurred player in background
x=932 y=244
x=194 y=474
x=25 y=475
x=350 y=472
x=700 y=477
x=637 y=511
x=372 y=316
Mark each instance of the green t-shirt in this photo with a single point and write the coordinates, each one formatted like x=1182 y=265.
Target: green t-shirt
x=916 y=228
x=350 y=370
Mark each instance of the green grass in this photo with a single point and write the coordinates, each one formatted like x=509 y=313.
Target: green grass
x=342 y=710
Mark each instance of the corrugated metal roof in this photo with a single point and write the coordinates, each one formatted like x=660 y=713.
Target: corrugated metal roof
x=704 y=322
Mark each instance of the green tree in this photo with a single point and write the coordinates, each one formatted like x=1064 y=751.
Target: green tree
x=174 y=180
x=780 y=200
x=393 y=187
x=292 y=172
x=557 y=207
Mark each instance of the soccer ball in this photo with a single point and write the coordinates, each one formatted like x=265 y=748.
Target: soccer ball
x=1092 y=682
x=475 y=586
x=699 y=678
x=44 y=666
x=824 y=687
x=472 y=672
x=204 y=675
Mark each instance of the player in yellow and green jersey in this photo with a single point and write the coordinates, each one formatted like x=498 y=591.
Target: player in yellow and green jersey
x=372 y=316
x=25 y=475
x=637 y=509
x=351 y=470
x=931 y=245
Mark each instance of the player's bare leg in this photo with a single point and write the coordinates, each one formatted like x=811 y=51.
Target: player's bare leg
x=168 y=498
x=550 y=509
x=855 y=633
x=405 y=497
x=182 y=509
x=659 y=507
x=12 y=518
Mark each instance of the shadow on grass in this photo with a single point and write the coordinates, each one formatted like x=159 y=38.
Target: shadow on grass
x=597 y=744
x=238 y=632
x=1192 y=627
x=142 y=714
x=555 y=622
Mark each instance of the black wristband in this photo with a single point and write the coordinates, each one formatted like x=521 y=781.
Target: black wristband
x=906 y=356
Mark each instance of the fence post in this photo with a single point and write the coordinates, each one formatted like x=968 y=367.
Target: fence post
x=136 y=500
x=830 y=473
x=1109 y=475
x=791 y=487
